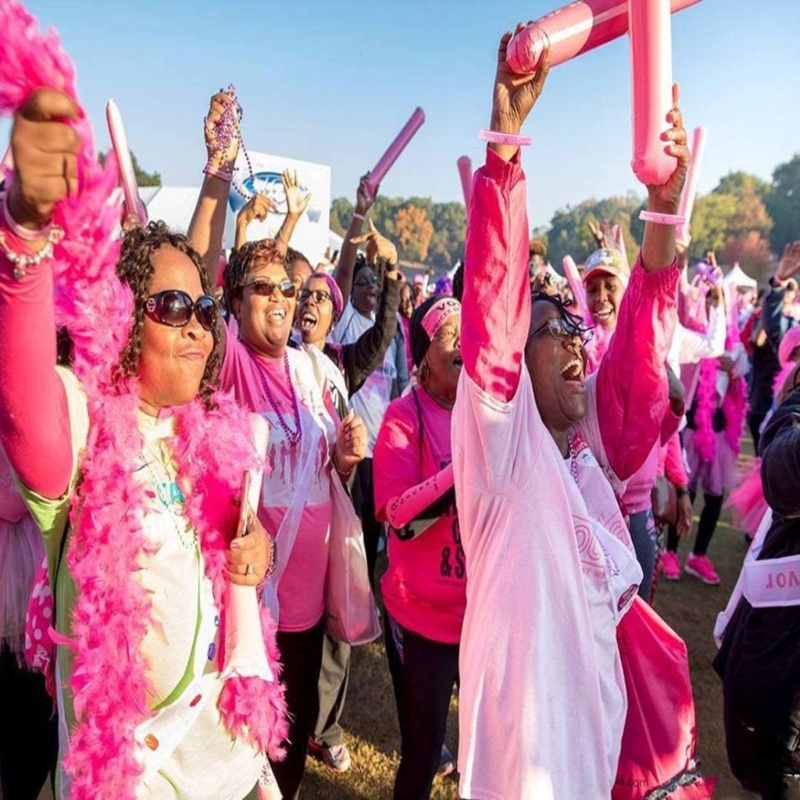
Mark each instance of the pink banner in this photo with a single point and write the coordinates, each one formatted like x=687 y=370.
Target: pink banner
x=573 y=30
x=386 y=162
x=690 y=189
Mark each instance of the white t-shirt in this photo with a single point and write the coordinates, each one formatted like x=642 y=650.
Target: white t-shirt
x=542 y=700
x=371 y=400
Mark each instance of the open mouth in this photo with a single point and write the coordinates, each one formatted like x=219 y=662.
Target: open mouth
x=572 y=371
x=277 y=314
x=458 y=362
x=604 y=315
x=307 y=321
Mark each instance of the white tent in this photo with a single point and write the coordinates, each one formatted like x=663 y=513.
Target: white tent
x=740 y=279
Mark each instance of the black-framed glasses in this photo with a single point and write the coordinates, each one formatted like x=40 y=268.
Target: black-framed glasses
x=265 y=288
x=319 y=295
x=562 y=329
x=367 y=280
x=174 y=307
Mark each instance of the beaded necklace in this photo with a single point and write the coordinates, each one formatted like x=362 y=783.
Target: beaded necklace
x=233 y=130
x=293 y=436
x=186 y=534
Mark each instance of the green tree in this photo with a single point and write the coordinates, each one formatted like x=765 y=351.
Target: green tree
x=783 y=204
x=711 y=223
x=143 y=178
x=341 y=214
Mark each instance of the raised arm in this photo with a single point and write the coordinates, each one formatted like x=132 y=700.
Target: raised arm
x=207 y=228
x=256 y=208
x=34 y=420
x=296 y=206
x=361 y=358
x=496 y=289
x=773 y=319
x=632 y=380
x=347 y=258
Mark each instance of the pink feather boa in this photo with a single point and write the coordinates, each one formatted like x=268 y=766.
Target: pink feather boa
x=112 y=611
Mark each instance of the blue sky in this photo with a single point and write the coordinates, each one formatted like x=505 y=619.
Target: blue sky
x=332 y=82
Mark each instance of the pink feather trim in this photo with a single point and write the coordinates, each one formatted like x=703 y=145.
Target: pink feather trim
x=747 y=500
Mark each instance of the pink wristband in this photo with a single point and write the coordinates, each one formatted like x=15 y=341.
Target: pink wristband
x=24 y=234
x=495 y=137
x=356 y=215
x=662 y=219
x=222 y=174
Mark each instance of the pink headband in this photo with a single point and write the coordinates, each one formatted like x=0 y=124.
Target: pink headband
x=438 y=313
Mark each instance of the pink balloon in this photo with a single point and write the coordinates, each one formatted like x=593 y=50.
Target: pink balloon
x=386 y=162
x=690 y=189
x=651 y=78
x=573 y=30
x=465 y=171
x=576 y=286
x=133 y=203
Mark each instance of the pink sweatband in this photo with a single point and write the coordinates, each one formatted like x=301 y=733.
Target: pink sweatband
x=438 y=313
x=496 y=137
x=662 y=219
x=222 y=174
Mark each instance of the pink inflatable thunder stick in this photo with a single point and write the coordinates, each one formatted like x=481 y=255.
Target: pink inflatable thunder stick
x=386 y=162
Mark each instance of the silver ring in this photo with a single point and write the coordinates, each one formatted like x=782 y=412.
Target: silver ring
x=250 y=569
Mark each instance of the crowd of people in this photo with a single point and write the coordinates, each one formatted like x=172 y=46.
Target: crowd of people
x=528 y=456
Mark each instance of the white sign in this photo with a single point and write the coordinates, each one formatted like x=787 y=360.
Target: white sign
x=263 y=174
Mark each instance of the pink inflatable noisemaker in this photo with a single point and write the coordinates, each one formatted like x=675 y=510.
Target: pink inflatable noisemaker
x=465 y=172
x=690 y=189
x=119 y=141
x=573 y=30
x=386 y=162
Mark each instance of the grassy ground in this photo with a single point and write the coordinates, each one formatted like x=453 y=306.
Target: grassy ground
x=370 y=719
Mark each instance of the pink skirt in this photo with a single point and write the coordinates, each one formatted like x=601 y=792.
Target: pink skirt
x=714 y=476
x=21 y=553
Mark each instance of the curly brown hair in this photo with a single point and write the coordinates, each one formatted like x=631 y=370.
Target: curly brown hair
x=135 y=267
x=248 y=257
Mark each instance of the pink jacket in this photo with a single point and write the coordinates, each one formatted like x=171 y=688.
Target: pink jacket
x=631 y=381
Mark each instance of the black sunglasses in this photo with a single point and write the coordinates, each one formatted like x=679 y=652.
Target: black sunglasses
x=319 y=295
x=265 y=288
x=175 y=308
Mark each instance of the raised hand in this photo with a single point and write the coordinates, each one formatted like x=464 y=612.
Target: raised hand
x=257 y=207
x=221 y=127
x=790 y=262
x=598 y=234
x=378 y=246
x=45 y=149
x=364 y=200
x=296 y=204
x=666 y=198
x=514 y=95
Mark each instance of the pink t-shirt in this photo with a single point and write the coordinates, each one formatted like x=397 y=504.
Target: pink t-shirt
x=301 y=586
x=424 y=588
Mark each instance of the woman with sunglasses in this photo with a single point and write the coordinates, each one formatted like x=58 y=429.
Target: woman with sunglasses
x=551 y=566
x=132 y=467
x=424 y=585
x=309 y=448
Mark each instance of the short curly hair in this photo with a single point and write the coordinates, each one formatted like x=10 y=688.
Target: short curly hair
x=248 y=257
x=135 y=267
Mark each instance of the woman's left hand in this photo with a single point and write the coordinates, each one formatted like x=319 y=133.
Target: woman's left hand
x=666 y=198
x=296 y=204
x=351 y=443
x=249 y=556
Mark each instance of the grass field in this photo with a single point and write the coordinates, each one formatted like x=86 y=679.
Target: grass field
x=370 y=719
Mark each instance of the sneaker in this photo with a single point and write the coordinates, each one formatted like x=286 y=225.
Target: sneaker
x=335 y=757
x=671 y=567
x=702 y=568
x=447 y=764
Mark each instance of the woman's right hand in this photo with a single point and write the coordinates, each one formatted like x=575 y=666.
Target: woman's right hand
x=45 y=149
x=257 y=207
x=378 y=247
x=221 y=130
x=514 y=95
x=364 y=200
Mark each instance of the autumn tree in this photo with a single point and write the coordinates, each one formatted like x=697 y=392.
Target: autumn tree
x=413 y=232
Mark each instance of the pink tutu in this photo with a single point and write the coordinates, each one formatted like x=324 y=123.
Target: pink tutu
x=714 y=476
x=21 y=553
x=747 y=500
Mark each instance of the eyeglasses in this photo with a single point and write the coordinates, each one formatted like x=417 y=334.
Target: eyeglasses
x=319 y=295
x=175 y=308
x=561 y=329
x=371 y=280
x=265 y=288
